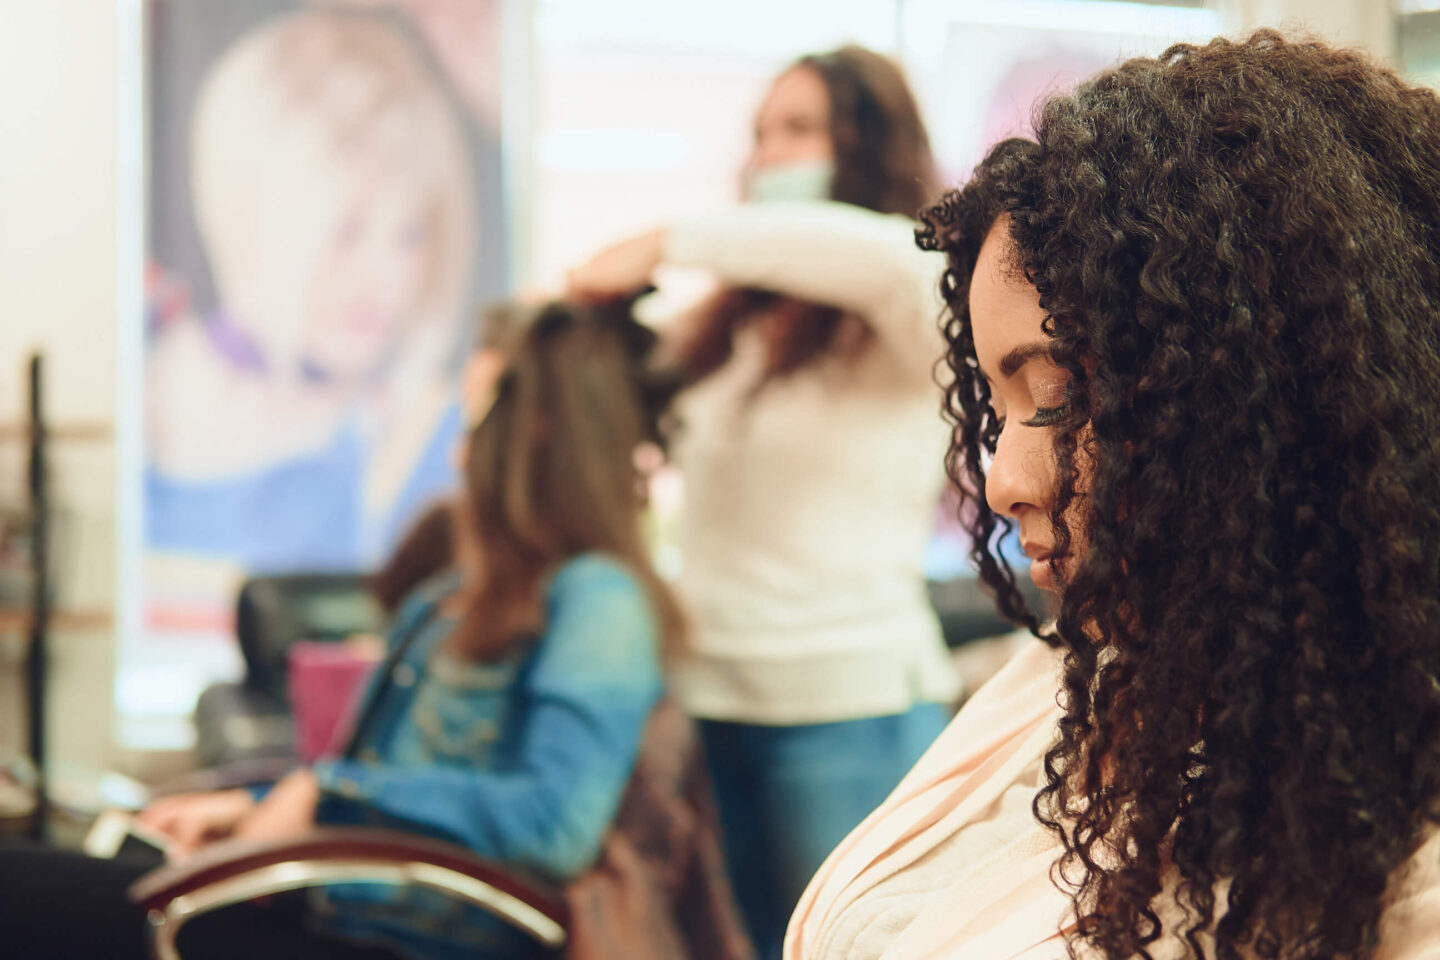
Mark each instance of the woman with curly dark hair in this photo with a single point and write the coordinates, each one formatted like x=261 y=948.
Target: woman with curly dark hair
x=1194 y=335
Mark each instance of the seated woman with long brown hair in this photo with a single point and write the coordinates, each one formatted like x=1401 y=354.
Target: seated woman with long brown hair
x=510 y=714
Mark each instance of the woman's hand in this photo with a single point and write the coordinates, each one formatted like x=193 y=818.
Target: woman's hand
x=618 y=270
x=288 y=810
x=192 y=820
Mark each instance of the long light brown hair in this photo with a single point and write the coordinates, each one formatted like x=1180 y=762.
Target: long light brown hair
x=550 y=471
x=882 y=162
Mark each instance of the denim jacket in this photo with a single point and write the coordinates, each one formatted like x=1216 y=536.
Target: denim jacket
x=523 y=761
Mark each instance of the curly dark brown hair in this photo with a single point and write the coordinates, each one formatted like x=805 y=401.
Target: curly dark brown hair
x=1237 y=246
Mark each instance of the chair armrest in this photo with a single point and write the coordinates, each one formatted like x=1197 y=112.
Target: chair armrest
x=241 y=773
x=238 y=871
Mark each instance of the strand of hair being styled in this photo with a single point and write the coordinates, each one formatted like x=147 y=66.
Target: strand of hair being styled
x=551 y=470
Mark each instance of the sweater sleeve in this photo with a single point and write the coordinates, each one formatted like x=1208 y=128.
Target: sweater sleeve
x=836 y=254
x=594 y=682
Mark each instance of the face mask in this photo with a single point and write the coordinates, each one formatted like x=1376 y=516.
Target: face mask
x=807 y=180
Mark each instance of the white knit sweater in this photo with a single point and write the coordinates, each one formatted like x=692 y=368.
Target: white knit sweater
x=808 y=506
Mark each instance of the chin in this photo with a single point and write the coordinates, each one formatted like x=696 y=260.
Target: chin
x=350 y=369
x=1042 y=573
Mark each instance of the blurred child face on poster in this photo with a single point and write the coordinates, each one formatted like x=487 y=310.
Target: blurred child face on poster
x=369 y=281
x=333 y=196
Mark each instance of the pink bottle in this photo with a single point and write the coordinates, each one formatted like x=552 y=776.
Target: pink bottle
x=326 y=682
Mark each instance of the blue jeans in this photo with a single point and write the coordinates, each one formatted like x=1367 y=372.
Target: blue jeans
x=789 y=795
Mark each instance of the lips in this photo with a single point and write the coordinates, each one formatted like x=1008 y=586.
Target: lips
x=1035 y=551
x=362 y=322
x=1042 y=573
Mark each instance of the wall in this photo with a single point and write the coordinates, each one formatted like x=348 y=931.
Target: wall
x=1363 y=23
x=58 y=293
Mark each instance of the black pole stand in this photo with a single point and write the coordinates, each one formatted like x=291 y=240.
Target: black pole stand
x=40 y=601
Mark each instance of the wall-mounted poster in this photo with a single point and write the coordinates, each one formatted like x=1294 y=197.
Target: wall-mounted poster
x=326 y=217
x=981 y=67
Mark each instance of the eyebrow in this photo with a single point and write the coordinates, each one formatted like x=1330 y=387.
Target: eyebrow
x=1011 y=363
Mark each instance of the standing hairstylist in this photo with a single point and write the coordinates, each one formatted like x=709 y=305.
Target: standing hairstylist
x=811 y=443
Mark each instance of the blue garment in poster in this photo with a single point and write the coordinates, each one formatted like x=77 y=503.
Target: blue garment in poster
x=305 y=514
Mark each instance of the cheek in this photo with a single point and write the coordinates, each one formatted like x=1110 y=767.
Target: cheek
x=1077 y=516
x=1085 y=460
x=398 y=277
x=1041 y=465
x=793 y=146
x=409 y=272
x=819 y=146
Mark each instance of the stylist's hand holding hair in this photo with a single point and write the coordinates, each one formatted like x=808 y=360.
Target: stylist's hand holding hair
x=618 y=270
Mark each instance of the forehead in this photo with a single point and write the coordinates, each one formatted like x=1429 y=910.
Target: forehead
x=1005 y=309
x=797 y=90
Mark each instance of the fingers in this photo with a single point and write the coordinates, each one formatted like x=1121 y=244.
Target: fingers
x=186 y=829
x=192 y=820
x=177 y=852
x=191 y=832
x=583 y=286
x=162 y=814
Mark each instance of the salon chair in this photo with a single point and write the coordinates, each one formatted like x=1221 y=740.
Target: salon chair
x=250 y=721
x=666 y=817
x=237 y=872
